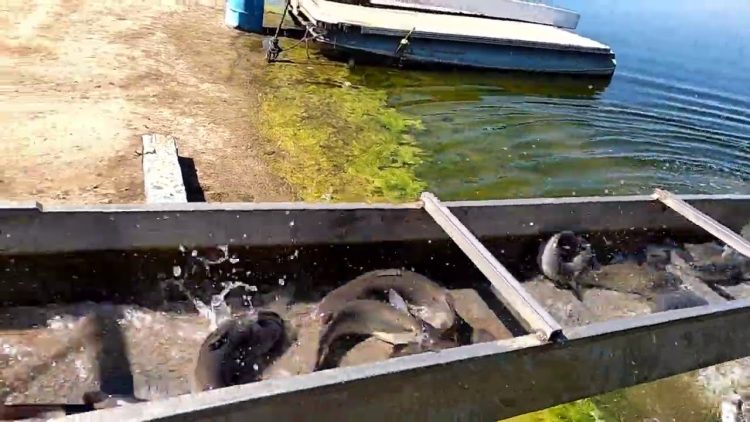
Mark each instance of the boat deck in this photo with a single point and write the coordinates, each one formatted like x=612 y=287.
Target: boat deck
x=447 y=27
x=501 y=9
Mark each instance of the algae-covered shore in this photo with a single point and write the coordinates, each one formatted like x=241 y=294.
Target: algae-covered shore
x=336 y=140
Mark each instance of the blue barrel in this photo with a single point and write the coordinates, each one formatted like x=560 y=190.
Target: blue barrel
x=246 y=15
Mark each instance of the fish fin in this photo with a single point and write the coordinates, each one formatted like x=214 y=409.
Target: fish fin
x=395 y=338
x=397 y=301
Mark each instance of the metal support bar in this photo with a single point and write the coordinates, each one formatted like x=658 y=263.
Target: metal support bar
x=520 y=303
x=712 y=226
x=480 y=382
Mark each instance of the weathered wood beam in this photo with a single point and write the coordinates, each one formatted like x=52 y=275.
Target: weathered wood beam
x=707 y=223
x=518 y=301
x=482 y=382
x=162 y=176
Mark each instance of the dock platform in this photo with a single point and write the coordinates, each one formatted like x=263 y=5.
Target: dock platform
x=470 y=41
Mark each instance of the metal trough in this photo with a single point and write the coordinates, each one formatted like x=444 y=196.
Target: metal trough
x=543 y=365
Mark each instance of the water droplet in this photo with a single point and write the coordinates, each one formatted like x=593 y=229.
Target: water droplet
x=531 y=223
x=291 y=223
x=177 y=271
x=281 y=282
x=255 y=366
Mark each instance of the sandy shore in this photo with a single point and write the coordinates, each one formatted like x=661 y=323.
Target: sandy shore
x=84 y=79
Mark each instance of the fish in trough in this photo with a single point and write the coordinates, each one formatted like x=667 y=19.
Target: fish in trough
x=424 y=298
x=239 y=350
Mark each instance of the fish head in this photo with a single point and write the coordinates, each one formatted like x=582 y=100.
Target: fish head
x=439 y=312
x=568 y=245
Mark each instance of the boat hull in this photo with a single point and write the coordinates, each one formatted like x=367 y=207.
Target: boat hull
x=426 y=51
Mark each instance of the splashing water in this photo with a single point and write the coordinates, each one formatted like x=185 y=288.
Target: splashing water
x=218 y=310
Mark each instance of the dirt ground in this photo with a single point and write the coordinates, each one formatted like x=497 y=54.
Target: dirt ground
x=82 y=80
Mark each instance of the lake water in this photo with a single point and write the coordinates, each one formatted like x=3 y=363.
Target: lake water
x=676 y=114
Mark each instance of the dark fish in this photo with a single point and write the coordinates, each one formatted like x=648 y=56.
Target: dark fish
x=368 y=318
x=629 y=278
x=564 y=257
x=679 y=299
x=238 y=350
x=711 y=262
x=425 y=299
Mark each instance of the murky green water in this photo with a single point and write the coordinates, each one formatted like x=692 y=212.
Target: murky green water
x=676 y=113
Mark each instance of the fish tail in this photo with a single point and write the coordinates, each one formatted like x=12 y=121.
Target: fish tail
x=577 y=290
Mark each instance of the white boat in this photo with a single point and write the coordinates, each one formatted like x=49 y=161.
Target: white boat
x=417 y=35
x=520 y=10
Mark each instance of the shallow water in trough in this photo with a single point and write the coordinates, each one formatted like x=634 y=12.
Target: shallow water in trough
x=150 y=348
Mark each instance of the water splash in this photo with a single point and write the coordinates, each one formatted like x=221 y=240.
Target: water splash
x=217 y=310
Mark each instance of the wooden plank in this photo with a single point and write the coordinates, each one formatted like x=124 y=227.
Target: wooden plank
x=162 y=176
x=712 y=226
x=518 y=301
x=482 y=382
x=65 y=228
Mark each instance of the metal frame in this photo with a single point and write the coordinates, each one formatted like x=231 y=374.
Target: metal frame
x=707 y=223
x=520 y=303
x=36 y=228
x=482 y=382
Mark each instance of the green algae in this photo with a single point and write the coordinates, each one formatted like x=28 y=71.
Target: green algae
x=676 y=398
x=580 y=411
x=335 y=139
